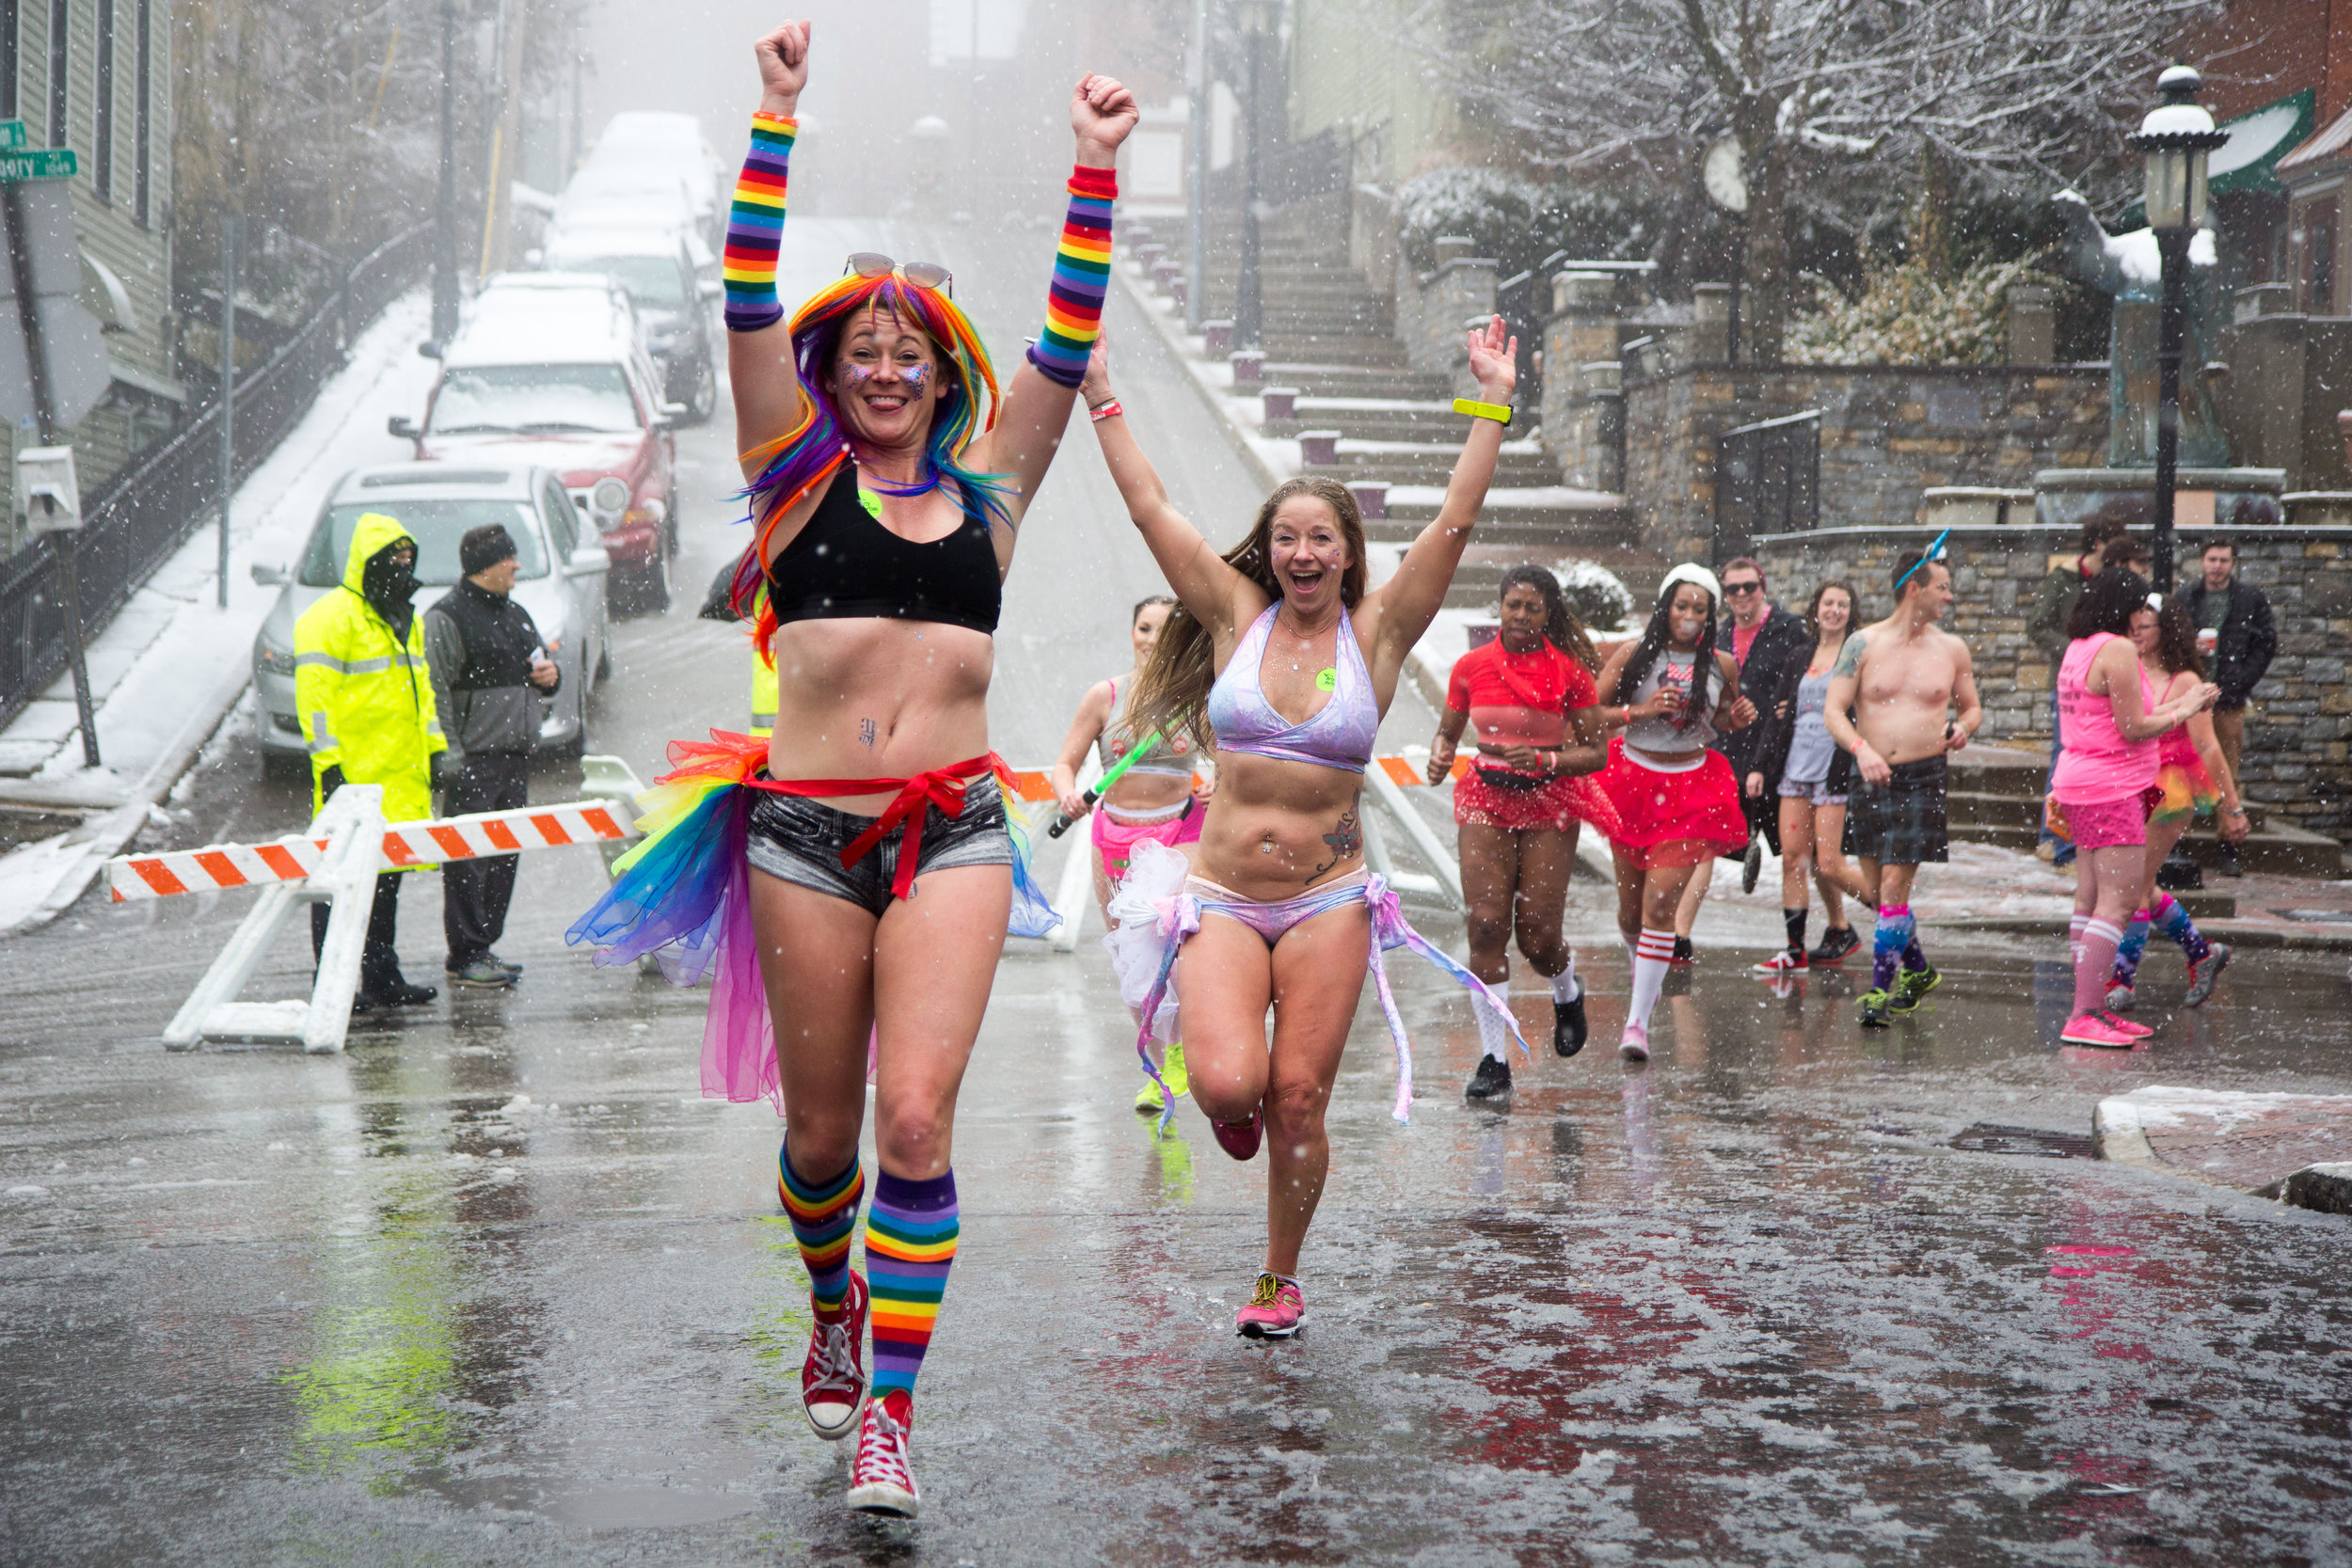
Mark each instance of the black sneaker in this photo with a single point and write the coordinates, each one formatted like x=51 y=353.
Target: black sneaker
x=1491 y=1080
x=1837 y=942
x=1567 y=1024
x=483 y=973
x=1684 y=952
x=2228 y=865
x=509 y=967
x=1878 y=1009
x=400 y=993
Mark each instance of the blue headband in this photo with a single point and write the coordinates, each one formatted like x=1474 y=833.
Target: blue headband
x=1934 y=552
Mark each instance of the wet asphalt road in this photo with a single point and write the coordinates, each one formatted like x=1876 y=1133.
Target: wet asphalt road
x=498 y=1285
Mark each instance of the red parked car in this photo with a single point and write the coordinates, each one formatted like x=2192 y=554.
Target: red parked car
x=551 y=370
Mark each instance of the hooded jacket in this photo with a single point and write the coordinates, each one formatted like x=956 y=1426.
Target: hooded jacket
x=364 y=694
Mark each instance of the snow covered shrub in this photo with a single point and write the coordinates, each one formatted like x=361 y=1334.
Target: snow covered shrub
x=1602 y=602
x=1905 y=315
x=1518 y=222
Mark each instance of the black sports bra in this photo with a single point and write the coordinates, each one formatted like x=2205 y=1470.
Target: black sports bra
x=846 y=565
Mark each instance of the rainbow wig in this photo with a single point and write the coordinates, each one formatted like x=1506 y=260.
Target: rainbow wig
x=806 y=456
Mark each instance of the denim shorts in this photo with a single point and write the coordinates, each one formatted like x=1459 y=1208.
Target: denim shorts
x=1814 y=790
x=801 y=841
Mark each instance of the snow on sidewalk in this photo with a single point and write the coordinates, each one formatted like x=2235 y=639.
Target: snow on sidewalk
x=2251 y=1142
x=172 y=664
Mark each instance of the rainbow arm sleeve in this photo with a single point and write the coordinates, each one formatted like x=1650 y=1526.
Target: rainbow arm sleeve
x=755 y=226
x=1082 y=275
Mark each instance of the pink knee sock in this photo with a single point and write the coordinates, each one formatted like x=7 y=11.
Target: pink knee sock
x=1650 y=962
x=2093 y=962
x=2074 y=936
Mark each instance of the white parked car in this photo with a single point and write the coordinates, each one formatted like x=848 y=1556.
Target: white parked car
x=560 y=580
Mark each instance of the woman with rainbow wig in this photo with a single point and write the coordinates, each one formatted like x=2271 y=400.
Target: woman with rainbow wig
x=854 y=876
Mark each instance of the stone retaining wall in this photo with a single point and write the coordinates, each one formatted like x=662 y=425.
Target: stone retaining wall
x=2297 y=759
x=1888 y=432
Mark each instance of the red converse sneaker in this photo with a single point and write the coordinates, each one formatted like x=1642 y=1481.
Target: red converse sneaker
x=881 y=1480
x=832 y=1379
x=1787 y=961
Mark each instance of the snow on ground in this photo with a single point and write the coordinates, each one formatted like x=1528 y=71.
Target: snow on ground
x=173 y=661
x=1981 y=881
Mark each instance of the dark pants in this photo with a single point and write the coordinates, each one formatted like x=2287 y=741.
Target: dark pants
x=475 y=893
x=379 y=964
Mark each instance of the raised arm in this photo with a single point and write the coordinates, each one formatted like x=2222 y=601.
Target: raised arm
x=1408 y=601
x=766 y=382
x=1036 y=412
x=1209 y=588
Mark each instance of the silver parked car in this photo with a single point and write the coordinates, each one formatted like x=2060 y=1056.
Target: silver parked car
x=561 y=580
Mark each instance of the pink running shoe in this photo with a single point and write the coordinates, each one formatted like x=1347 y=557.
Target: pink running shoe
x=1240 y=1139
x=2096 y=1029
x=880 y=1478
x=1635 y=1046
x=832 y=1379
x=1274 y=1310
x=1783 y=962
x=2138 y=1031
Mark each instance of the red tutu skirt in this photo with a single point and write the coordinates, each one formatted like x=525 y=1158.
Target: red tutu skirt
x=1557 y=804
x=1673 y=818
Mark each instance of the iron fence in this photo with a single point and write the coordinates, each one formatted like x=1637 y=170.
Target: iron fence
x=1768 y=479
x=145 y=512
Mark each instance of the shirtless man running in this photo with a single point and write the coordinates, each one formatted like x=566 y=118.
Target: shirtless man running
x=1914 y=697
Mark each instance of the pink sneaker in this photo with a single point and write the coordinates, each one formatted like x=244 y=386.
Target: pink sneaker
x=1783 y=962
x=1274 y=1310
x=2138 y=1031
x=880 y=1478
x=1635 y=1046
x=2096 y=1029
x=1240 y=1139
x=832 y=1379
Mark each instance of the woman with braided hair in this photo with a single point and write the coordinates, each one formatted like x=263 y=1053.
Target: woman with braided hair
x=887 y=478
x=1676 y=797
x=1518 y=806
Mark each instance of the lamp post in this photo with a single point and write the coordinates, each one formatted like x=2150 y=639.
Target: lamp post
x=445 y=197
x=1250 y=297
x=2174 y=140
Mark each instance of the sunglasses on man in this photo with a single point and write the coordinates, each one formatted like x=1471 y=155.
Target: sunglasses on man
x=1731 y=588
x=927 y=275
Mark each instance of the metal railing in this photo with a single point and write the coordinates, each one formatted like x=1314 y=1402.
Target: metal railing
x=1768 y=479
x=146 y=511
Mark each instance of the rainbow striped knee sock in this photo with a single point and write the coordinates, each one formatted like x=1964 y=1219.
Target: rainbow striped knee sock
x=911 y=1237
x=1082 y=277
x=822 y=1213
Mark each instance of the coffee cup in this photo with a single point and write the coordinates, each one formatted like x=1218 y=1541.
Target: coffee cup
x=2207 y=640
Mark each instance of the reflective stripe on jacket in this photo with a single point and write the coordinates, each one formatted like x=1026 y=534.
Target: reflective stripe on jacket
x=364 y=698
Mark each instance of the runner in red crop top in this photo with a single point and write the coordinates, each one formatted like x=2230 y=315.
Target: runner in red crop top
x=1518 y=802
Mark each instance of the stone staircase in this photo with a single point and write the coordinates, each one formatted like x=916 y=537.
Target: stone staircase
x=1995 y=798
x=1336 y=378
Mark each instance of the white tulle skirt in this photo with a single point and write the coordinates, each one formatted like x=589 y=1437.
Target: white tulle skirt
x=1155 y=876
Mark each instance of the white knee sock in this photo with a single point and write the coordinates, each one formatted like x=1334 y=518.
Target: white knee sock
x=1492 y=1034
x=1565 y=986
x=1649 y=974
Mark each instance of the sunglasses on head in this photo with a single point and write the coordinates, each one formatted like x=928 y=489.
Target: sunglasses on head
x=1743 y=588
x=925 y=275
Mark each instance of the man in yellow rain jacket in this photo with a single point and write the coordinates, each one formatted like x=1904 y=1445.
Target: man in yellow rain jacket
x=365 y=698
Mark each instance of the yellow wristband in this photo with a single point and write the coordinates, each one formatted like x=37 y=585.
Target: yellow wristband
x=1499 y=412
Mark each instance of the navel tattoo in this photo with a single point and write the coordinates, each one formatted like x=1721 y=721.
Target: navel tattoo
x=1849 y=657
x=1346 y=838
x=866 y=732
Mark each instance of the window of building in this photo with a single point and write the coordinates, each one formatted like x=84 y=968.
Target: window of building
x=60 y=58
x=142 y=122
x=2315 y=241
x=8 y=59
x=103 y=138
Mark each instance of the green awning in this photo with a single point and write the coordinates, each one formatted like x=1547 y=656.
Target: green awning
x=2257 y=140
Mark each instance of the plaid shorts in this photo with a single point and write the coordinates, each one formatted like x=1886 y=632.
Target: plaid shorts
x=1900 y=822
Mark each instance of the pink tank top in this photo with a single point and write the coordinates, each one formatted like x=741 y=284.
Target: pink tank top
x=2098 y=764
x=2175 y=748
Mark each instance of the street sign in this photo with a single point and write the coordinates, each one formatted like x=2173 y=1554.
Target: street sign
x=74 y=351
x=48 y=163
x=11 y=135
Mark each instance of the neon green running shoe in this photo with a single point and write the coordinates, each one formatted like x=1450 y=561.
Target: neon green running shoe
x=1172 y=1069
x=1912 y=987
x=1877 y=1008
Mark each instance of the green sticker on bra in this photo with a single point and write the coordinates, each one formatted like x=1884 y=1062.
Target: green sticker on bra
x=1326 y=680
x=873 y=503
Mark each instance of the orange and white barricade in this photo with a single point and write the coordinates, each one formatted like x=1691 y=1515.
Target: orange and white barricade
x=339 y=858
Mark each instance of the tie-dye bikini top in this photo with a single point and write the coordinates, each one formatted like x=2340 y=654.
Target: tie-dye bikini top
x=1337 y=735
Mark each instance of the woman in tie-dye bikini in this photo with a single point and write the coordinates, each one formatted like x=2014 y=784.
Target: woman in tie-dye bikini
x=852 y=866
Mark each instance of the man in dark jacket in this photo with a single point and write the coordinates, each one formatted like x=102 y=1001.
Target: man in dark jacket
x=2236 y=634
x=1765 y=642
x=489 y=671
